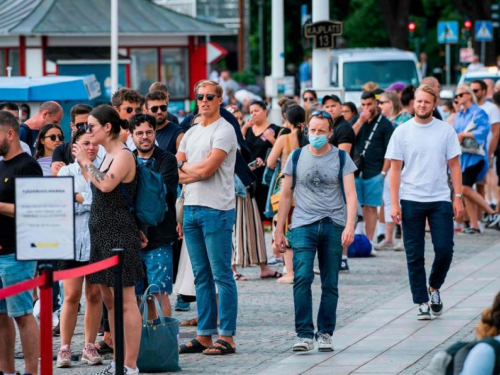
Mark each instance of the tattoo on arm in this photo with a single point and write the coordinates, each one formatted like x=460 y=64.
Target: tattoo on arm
x=96 y=173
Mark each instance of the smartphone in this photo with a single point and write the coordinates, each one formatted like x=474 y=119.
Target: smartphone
x=253 y=163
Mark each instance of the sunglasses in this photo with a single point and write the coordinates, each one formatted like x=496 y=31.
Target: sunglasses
x=383 y=102
x=476 y=91
x=53 y=137
x=210 y=97
x=155 y=108
x=321 y=113
x=90 y=127
x=81 y=125
x=129 y=110
x=308 y=99
x=461 y=94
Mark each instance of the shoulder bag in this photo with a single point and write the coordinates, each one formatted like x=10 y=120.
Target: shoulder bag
x=470 y=145
x=360 y=156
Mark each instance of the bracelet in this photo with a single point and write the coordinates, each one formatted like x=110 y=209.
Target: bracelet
x=383 y=173
x=459 y=196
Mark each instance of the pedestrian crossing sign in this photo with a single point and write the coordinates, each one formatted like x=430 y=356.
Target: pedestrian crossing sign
x=448 y=31
x=484 y=31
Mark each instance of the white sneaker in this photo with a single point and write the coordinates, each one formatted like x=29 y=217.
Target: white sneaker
x=373 y=253
x=36 y=309
x=400 y=246
x=383 y=245
x=108 y=370
x=129 y=371
x=303 y=345
x=63 y=357
x=325 y=343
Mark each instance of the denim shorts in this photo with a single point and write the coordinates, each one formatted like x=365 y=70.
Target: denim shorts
x=159 y=270
x=13 y=272
x=370 y=191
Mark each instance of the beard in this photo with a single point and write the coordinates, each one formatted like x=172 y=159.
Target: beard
x=425 y=115
x=146 y=150
x=161 y=121
x=4 y=148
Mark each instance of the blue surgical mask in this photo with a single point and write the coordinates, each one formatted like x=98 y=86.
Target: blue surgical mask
x=446 y=115
x=317 y=141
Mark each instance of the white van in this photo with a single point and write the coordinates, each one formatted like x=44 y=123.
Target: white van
x=352 y=68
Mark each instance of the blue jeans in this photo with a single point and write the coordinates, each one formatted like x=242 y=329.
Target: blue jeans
x=209 y=239
x=440 y=216
x=158 y=270
x=325 y=236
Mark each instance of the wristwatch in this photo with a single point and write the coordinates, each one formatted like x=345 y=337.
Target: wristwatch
x=459 y=196
x=383 y=173
x=180 y=163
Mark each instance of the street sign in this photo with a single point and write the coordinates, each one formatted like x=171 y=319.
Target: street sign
x=448 y=31
x=484 y=31
x=466 y=55
x=214 y=52
x=323 y=33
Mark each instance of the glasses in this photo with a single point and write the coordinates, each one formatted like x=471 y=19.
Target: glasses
x=383 y=102
x=308 y=99
x=209 y=97
x=90 y=127
x=129 y=110
x=148 y=133
x=155 y=108
x=321 y=113
x=476 y=91
x=461 y=94
x=53 y=137
x=81 y=125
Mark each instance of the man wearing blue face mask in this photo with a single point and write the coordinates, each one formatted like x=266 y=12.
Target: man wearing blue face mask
x=316 y=176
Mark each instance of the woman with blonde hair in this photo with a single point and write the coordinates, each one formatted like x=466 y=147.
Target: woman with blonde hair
x=392 y=108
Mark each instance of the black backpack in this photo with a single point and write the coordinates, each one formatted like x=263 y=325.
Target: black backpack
x=451 y=361
x=29 y=136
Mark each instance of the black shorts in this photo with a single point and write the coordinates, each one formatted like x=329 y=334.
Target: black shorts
x=469 y=176
x=63 y=265
x=497 y=165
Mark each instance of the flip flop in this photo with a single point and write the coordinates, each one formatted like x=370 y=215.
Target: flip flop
x=103 y=348
x=190 y=323
x=276 y=275
x=195 y=348
x=240 y=277
x=224 y=348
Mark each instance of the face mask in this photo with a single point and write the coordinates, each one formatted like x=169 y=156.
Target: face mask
x=317 y=141
x=446 y=115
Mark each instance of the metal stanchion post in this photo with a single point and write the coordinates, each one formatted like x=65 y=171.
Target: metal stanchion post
x=46 y=269
x=118 y=307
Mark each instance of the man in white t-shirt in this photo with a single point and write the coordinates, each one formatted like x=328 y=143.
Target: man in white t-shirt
x=480 y=90
x=427 y=147
x=206 y=159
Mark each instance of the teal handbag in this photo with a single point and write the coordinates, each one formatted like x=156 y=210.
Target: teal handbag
x=159 y=341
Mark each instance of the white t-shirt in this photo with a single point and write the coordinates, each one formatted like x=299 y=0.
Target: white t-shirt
x=425 y=151
x=216 y=192
x=493 y=115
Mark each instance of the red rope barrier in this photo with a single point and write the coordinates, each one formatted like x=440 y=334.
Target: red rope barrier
x=22 y=287
x=86 y=270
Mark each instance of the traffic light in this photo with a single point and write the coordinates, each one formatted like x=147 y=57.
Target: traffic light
x=411 y=27
x=467 y=27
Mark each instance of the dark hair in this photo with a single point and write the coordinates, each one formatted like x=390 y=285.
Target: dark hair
x=7 y=119
x=9 y=106
x=195 y=116
x=368 y=95
x=312 y=92
x=137 y=120
x=407 y=95
x=496 y=98
x=104 y=114
x=262 y=104
x=155 y=95
x=352 y=107
x=79 y=109
x=126 y=95
x=448 y=104
x=285 y=104
x=40 y=147
x=296 y=116
x=481 y=83
x=75 y=137
x=489 y=325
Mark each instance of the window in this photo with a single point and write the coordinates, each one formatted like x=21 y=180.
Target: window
x=3 y=72
x=144 y=68
x=385 y=73
x=14 y=61
x=175 y=72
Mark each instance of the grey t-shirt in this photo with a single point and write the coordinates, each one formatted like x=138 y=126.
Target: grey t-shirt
x=217 y=191
x=317 y=191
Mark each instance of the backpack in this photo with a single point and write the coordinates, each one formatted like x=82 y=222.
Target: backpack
x=451 y=361
x=29 y=135
x=150 y=201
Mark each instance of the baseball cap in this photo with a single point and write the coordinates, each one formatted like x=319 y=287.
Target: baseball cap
x=333 y=97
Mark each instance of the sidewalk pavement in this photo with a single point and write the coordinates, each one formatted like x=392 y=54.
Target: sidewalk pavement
x=377 y=330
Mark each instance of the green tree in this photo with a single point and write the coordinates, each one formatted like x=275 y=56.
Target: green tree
x=364 y=26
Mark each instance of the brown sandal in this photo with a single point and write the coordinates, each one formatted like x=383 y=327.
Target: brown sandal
x=190 y=323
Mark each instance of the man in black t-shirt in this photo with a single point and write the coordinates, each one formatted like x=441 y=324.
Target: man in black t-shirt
x=15 y=163
x=373 y=132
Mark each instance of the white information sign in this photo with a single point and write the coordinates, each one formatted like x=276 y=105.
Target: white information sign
x=45 y=221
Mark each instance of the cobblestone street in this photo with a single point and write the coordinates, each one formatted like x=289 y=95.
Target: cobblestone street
x=265 y=315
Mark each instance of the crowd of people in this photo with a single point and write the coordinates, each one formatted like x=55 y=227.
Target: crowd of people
x=400 y=164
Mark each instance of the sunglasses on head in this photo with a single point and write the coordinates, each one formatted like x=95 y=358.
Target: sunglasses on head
x=132 y=109
x=53 y=137
x=321 y=113
x=81 y=125
x=210 y=97
x=155 y=108
x=461 y=95
x=308 y=99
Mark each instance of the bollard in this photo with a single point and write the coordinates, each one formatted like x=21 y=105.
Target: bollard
x=46 y=269
x=118 y=306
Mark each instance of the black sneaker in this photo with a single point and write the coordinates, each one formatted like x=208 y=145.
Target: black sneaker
x=423 y=312
x=344 y=267
x=471 y=230
x=380 y=238
x=436 y=303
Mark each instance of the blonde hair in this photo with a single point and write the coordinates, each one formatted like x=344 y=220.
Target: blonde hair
x=428 y=90
x=370 y=86
x=316 y=106
x=397 y=107
x=206 y=82
x=469 y=90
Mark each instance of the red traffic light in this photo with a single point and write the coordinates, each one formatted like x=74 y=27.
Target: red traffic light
x=411 y=27
x=467 y=24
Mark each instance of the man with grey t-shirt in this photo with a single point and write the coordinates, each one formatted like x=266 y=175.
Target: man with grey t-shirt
x=319 y=222
x=206 y=159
